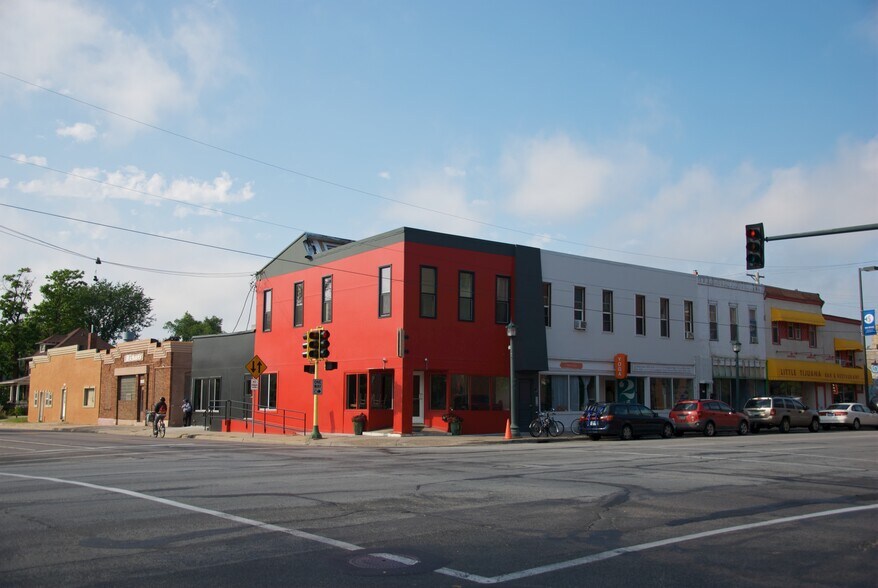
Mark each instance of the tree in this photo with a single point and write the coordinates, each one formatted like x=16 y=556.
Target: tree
x=107 y=309
x=187 y=327
x=17 y=337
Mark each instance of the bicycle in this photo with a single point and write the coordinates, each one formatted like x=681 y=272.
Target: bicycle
x=158 y=429
x=579 y=424
x=545 y=423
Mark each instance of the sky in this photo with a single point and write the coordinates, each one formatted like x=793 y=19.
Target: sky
x=185 y=144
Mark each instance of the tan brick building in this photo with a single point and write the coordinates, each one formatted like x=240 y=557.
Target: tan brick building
x=65 y=386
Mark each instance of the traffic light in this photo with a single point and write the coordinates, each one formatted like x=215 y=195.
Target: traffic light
x=324 y=344
x=311 y=346
x=755 y=246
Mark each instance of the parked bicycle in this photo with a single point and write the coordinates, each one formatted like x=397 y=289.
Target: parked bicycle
x=579 y=424
x=545 y=422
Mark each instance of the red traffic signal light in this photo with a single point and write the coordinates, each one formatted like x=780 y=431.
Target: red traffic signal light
x=755 y=246
x=323 y=352
x=311 y=346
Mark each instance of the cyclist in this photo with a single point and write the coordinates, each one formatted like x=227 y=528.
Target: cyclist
x=160 y=409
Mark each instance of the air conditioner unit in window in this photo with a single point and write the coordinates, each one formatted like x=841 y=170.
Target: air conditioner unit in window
x=579 y=325
x=690 y=335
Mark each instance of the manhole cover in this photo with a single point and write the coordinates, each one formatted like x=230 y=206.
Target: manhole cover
x=382 y=561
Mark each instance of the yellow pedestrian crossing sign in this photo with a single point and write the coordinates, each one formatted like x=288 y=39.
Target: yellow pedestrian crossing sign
x=255 y=366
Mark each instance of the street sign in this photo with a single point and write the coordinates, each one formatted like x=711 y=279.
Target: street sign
x=317 y=386
x=254 y=384
x=255 y=366
x=869 y=322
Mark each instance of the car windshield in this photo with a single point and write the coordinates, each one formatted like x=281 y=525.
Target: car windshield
x=686 y=406
x=837 y=407
x=758 y=403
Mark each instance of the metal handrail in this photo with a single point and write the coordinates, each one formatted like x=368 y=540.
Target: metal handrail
x=284 y=419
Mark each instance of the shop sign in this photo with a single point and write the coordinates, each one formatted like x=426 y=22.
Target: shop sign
x=620 y=366
x=129 y=357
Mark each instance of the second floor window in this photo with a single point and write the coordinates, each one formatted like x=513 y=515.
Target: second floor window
x=640 y=314
x=711 y=316
x=501 y=304
x=384 y=291
x=665 y=317
x=733 y=323
x=754 y=328
x=579 y=304
x=428 y=292
x=326 y=298
x=608 y=311
x=466 y=296
x=298 y=304
x=688 y=319
x=547 y=303
x=266 y=311
x=812 y=336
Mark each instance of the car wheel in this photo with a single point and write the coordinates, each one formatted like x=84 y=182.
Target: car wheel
x=784 y=425
x=814 y=426
x=594 y=437
x=709 y=429
x=856 y=425
x=743 y=428
x=627 y=433
x=667 y=431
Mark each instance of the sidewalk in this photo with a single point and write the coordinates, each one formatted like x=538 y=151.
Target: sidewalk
x=425 y=438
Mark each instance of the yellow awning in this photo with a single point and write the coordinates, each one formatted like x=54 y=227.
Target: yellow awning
x=848 y=345
x=784 y=315
x=812 y=371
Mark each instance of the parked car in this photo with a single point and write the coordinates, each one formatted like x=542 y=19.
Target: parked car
x=707 y=417
x=782 y=412
x=626 y=421
x=847 y=414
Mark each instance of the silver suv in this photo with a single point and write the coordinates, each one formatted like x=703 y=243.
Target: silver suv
x=782 y=412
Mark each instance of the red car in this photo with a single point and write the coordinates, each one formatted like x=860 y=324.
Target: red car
x=707 y=417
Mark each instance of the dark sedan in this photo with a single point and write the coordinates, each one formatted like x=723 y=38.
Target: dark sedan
x=627 y=421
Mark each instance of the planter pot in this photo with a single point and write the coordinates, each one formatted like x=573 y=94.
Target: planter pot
x=454 y=428
x=358 y=427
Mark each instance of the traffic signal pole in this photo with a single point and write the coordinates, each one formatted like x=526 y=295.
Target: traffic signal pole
x=315 y=432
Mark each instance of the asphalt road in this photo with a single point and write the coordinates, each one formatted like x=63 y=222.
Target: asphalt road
x=85 y=509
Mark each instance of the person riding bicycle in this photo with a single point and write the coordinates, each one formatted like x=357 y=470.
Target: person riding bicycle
x=160 y=409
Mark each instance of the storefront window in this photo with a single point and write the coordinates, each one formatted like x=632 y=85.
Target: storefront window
x=381 y=389
x=480 y=393
x=438 y=400
x=553 y=393
x=501 y=393
x=459 y=393
x=660 y=394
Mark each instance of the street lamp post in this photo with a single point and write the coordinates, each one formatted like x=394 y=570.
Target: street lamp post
x=736 y=347
x=871 y=268
x=513 y=415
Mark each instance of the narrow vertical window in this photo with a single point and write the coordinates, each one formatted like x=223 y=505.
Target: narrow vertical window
x=754 y=330
x=501 y=302
x=733 y=322
x=384 y=291
x=268 y=391
x=547 y=303
x=607 y=309
x=688 y=319
x=640 y=314
x=775 y=333
x=712 y=320
x=665 y=317
x=812 y=336
x=326 y=314
x=428 y=292
x=298 y=304
x=465 y=296
x=266 y=311
x=578 y=307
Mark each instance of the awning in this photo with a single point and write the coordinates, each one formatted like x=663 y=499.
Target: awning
x=784 y=315
x=788 y=370
x=848 y=345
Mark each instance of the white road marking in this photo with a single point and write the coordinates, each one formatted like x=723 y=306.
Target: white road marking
x=528 y=573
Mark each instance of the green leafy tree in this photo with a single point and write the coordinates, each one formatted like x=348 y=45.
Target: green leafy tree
x=69 y=302
x=187 y=327
x=17 y=337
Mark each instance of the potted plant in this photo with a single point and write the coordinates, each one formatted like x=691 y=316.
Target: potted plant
x=453 y=421
x=359 y=422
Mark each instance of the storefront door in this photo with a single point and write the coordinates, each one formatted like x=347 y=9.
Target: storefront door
x=418 y=398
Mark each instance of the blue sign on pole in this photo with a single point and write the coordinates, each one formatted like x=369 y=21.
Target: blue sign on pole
x=869 y=322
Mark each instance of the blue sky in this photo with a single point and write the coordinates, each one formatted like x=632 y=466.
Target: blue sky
x=642 y=132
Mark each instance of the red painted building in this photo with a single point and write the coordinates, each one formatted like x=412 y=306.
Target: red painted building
x=417 y=324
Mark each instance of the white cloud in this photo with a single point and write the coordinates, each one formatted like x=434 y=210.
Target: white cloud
x=76 y=47
x=453 y=172
x=35 y=159
x=554 y=178
x=385 y=175
x=4 y=182
x=132 y=183
x=79 y=132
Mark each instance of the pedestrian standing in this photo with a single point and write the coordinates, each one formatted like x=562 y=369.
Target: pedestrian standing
x=187 y=413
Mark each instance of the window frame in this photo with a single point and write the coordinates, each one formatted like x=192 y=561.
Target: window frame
x=733 y=323
x=713 y=321
x=547 y=303
x=426 y=295
x=689 y=319
x=360 y=391
x=640 y=314
x=298 y=304
x=85 y=397
x=384 y=291
x=267 y=298
x=579 y=303
x=607 y=311
x=267 y=391
x=464 y=302
x=665 y=318
x=754 y=325
x=502 y=306
x=326 y=299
